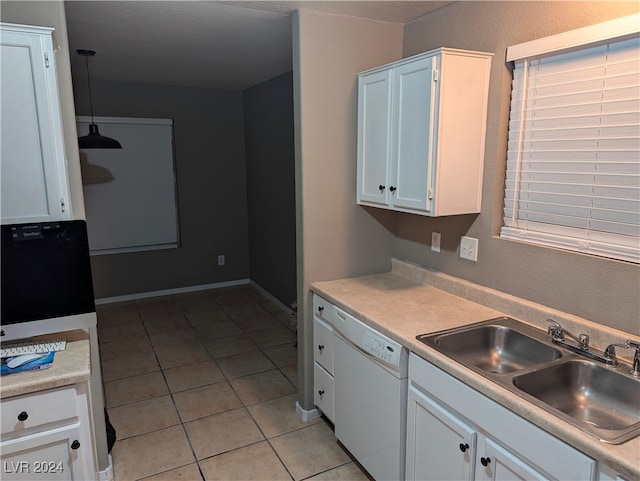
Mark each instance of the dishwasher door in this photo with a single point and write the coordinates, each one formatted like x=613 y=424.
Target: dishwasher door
x=370 y=411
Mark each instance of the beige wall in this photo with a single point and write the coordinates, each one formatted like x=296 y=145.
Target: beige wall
x=51 y=14
x=594 y=288
x=335 y=238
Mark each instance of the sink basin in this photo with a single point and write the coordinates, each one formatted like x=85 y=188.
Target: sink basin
x=602 y=398
x=497 y=346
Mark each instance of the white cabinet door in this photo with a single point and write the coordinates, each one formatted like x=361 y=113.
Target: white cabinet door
x=34 y=186
x=439 y=445
x=412 y=146
x=374 y=113
x=50 y=455
x=498 y=464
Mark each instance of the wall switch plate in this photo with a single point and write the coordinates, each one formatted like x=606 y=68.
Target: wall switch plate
x=221 y=260
x=469 y=248
x=435 y=241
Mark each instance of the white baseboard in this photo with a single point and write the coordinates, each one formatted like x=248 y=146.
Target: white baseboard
x=269 y=296
x=107 y=474
x=307 y=415
x=178 y=290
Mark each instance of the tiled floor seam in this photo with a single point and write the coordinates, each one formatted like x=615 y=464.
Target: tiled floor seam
x=173 y=469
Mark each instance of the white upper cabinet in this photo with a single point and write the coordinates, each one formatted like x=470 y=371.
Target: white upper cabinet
x=421 y=132
x=34 y=185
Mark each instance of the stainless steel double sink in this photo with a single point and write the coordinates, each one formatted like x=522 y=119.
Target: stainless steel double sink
x=601 y=400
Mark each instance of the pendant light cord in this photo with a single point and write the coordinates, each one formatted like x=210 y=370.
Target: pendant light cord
x=86 y=59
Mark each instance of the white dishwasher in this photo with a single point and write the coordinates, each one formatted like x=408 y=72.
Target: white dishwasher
x=370 y=397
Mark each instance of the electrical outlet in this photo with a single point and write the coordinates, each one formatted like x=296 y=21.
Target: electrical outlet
x=221 y=260
x=435 y=241
x=469 y=248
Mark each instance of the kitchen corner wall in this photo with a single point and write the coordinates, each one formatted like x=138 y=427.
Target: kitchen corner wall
x=601 y=290
x=335 y=238
x=211 y=178
x=269 y=153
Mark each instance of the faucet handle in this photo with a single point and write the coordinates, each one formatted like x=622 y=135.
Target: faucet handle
x=632 y=344
x=583 y=341
x=635 y=365
x=555 y=330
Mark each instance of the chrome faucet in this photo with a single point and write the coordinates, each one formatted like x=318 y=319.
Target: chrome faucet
x=557 y=332
x=610 y=353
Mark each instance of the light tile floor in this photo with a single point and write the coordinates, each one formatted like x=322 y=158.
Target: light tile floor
x=202 y=386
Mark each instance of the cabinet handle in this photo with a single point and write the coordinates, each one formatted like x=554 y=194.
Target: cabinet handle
x=464 y=447
x=23 y=416
x=381 y=187
x=485 y=461
x=75 y=445
x=392 y=189
x=320 y=347
x=321 y=392
x=320 y=308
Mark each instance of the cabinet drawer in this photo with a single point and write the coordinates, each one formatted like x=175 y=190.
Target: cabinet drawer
x=323 y=344
x=323 y=309
x=323 y=394
x=38 y=409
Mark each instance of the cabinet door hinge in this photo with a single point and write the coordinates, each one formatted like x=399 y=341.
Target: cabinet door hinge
x=436 y=74
x=430 y=194
x=46 y=60
x=63 y=206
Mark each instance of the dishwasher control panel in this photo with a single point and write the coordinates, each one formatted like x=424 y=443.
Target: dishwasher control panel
x=379 y=347
x=387 y=352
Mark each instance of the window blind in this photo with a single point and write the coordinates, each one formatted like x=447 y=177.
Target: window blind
x=573 y=156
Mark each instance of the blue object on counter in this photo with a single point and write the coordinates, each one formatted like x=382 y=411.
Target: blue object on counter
x=26 y=362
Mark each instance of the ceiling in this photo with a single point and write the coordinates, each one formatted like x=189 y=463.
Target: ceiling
x=213 y=44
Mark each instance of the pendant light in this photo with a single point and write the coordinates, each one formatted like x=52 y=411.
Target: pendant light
x=94 y=140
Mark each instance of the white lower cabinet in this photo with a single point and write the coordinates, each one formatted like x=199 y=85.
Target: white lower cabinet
x=456 y=433
x=498 y=463
x=439 y=445
x=47 y=436
x=605 y=473
x=323 y=393
x=49 y=455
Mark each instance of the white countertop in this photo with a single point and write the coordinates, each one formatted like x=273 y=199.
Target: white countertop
x=404 y=303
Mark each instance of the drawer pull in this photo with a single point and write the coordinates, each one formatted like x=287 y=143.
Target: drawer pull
x=75 y=444
x=464 y=447
x=23 y=416
x=321 y=392
x=320 y=347
x=320 y=308
x=485 y=461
